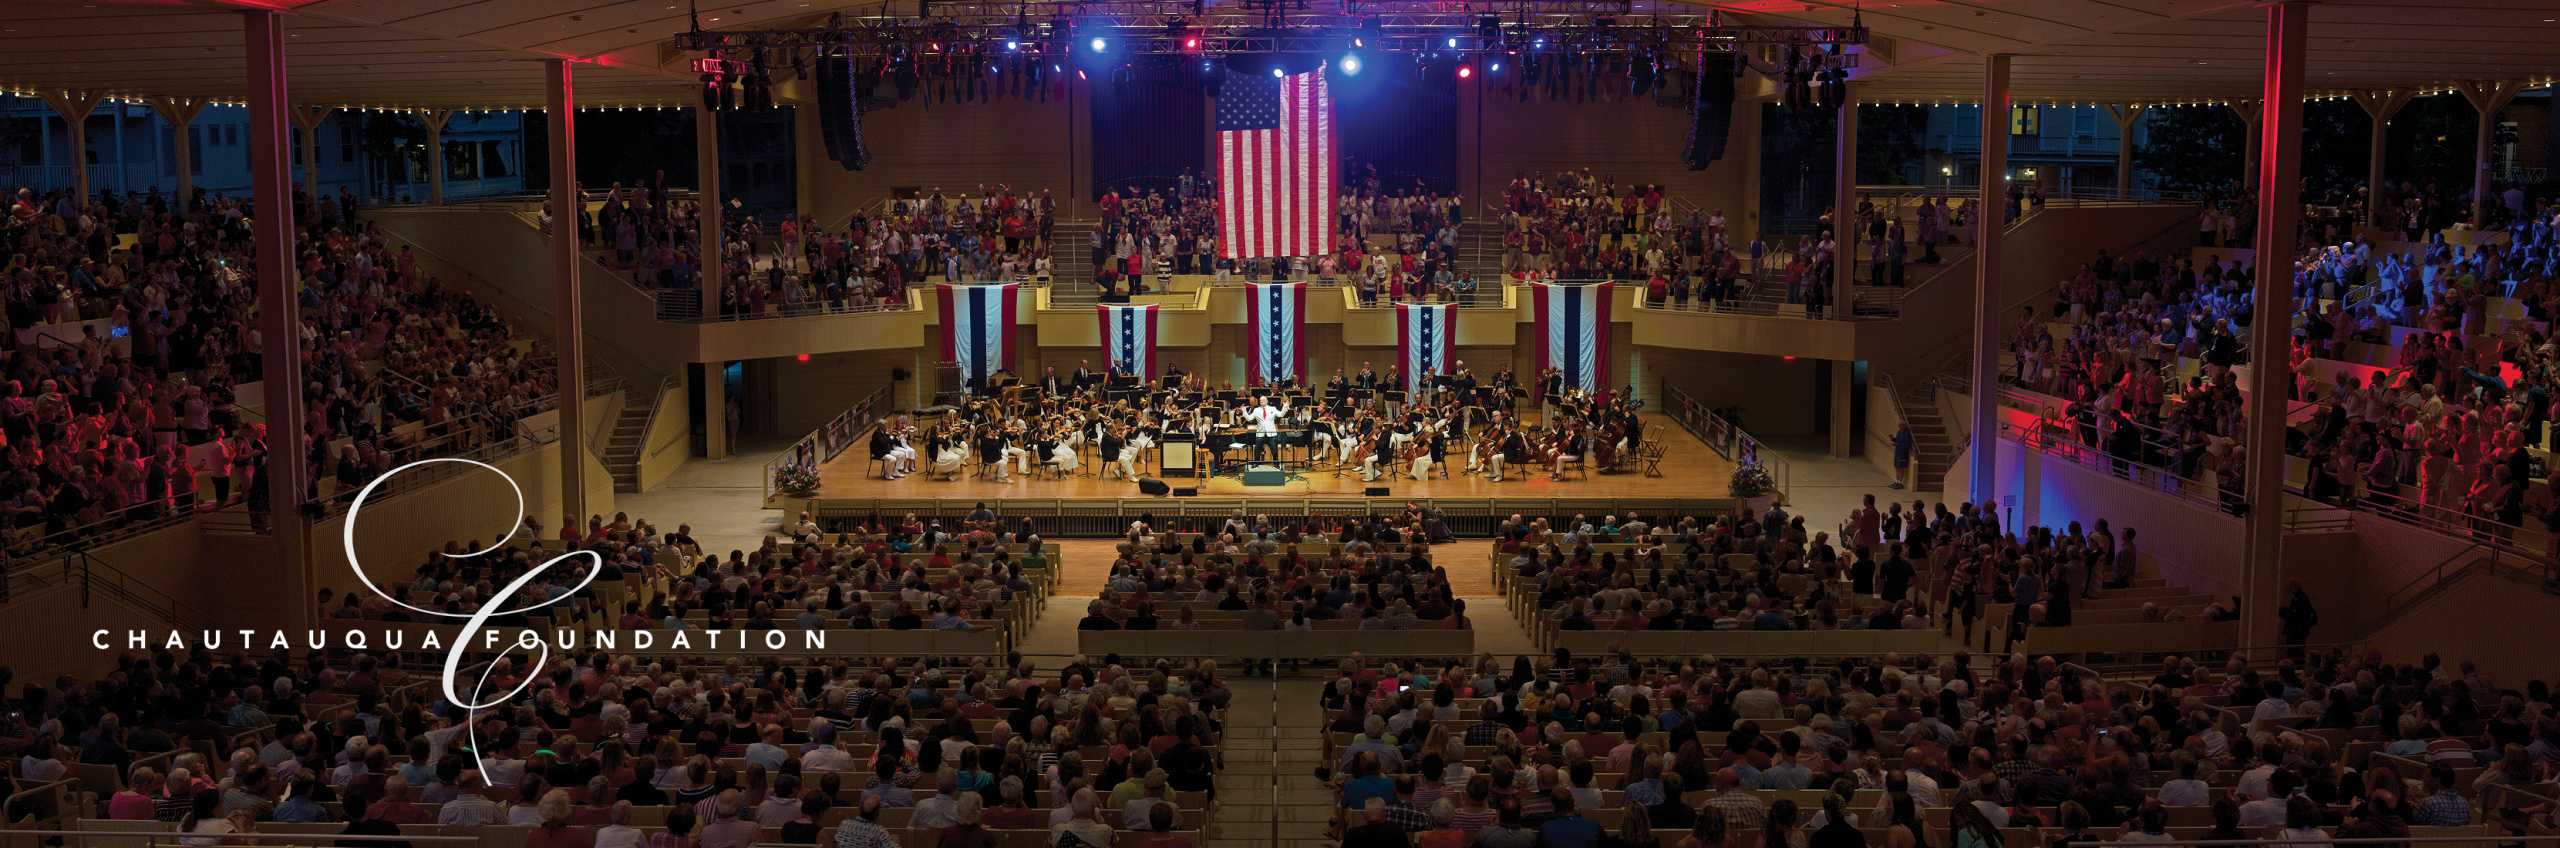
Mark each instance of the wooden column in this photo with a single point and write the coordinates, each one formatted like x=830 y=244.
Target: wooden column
x=436 y=120
x=1844 y=205
x=181 y=114
x=2270 y=325
x=569 y=333
x=706 y=170
x=308 y=119
x=2127 y=116
x=74 y=106
x=1989 y=221
x=2379 y=106
x=2250 y=143
x=2488 y=97
x=279 y=321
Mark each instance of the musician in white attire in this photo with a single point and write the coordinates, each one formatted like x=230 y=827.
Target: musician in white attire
x=902 y=455
x=1265 y=419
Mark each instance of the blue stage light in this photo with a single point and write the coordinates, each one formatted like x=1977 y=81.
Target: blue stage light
x=1276 y=72
x=1351 y=65
x=1099 y=44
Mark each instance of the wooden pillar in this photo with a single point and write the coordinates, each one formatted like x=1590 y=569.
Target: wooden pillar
x=706 y=170
x=1990 y=220
x=123 y=180
x=308 y=119
x=2489 y=98
x=569 y=333
x=74 y=106
x=181 y=114
x=1844 y=422
x=436 y=120
x=2379 y=106
x=714 y=413
x=1844 y=205
x=279 y=321
x=2250 y=142
x=2127 y=117
x=2270 y=326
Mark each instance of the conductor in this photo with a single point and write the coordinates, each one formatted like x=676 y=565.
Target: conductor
x=1266 y=428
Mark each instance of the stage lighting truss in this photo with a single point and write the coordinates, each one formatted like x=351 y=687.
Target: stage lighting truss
x=1130 y=28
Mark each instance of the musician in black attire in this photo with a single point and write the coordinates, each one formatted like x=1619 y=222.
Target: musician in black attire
x=1513 y=448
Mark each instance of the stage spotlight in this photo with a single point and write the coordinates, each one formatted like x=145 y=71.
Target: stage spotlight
x=1278 y=73
x=1466 y=72
x=1013 y=45
x=1453 y=42
x=1539 y=44
x=1351 y=65
x=1494 y=68
x=1099 y=44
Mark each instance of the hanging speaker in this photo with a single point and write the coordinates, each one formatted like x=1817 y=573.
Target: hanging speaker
x=841 y=86
x=1710 y=111
x=834 y=90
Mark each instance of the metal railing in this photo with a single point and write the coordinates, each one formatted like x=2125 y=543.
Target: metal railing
x=114 y=526
x=2055 y=441
x=830 y=439
x=1723 y=436
x=95 y=578
x=2484 y=532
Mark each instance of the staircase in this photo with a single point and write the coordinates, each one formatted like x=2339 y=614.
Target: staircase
x=1933 y=448
x=1071 y=262
x=628 y=441
x=1480 y=248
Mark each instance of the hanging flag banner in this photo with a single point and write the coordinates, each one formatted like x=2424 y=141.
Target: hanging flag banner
x=1572 y=329
x=977 y=329
x=1279 y=323
x=1129 y=338
x=1427 y=339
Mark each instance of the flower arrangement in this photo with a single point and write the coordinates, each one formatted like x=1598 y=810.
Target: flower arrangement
x=797 y=481
x=1751 y=481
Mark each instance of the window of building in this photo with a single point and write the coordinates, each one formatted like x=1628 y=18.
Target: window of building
x=2022 y=120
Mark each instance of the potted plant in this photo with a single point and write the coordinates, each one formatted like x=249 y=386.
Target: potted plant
x=1753 y=484
x=798 y=481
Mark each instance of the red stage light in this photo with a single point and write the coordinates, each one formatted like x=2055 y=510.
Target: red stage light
x=805 y=357
x=1466 y=71
x=1192 y=43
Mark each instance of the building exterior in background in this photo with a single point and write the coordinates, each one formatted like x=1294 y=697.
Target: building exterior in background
x=376 y=155
x=2058 y=147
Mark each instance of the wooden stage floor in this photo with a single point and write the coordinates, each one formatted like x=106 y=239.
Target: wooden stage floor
x=1689 y=470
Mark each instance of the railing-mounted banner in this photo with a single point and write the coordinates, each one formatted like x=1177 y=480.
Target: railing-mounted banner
x=1129 y=337
x=1279 y=330
x=977 y=329
x=1572 y=329
x=1426 y=340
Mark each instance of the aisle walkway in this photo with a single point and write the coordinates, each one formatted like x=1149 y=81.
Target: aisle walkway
x=1268 y=794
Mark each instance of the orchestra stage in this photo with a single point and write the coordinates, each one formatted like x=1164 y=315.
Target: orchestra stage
x=1689 y=471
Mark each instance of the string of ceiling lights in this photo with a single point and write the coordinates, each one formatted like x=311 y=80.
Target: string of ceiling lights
x=27 y=91
x=1024 y=42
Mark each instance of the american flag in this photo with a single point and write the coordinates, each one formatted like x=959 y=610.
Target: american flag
x=1277 y=157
